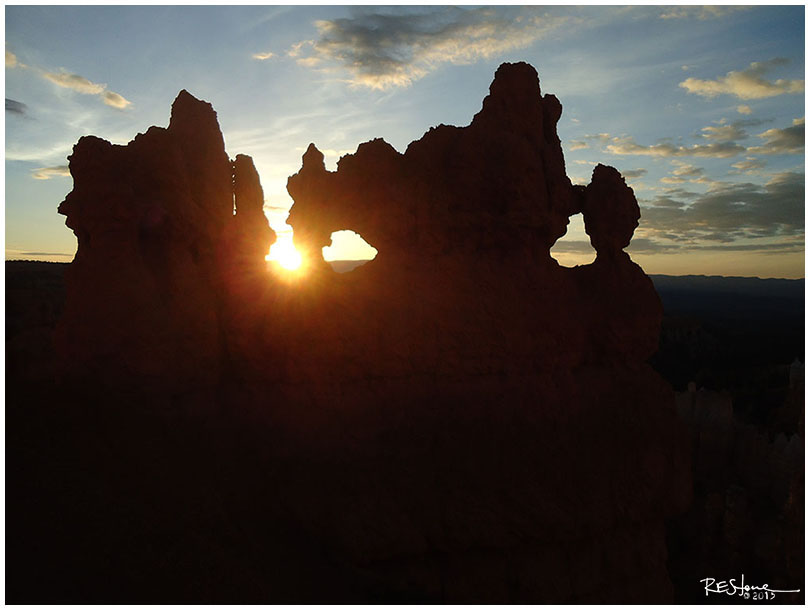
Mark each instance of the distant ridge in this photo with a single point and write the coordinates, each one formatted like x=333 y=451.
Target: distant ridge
x=345 y=266
x=772 y=307
x=664 y=277
x=661 y=281
x=747 y=286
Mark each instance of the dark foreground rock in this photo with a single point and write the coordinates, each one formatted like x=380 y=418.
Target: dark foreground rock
x=459 y=420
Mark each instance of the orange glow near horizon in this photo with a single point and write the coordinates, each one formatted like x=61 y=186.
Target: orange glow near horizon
x=284 y=253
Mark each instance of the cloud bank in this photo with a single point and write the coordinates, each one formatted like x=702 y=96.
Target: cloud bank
x=730 y=211
x=789 y=140
x=722 y=142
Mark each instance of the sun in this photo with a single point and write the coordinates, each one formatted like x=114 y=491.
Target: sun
x=285 y=254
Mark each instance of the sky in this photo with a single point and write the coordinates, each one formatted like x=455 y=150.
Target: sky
x=700 y=108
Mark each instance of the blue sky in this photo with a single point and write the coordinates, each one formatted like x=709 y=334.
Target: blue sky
x=701 y=108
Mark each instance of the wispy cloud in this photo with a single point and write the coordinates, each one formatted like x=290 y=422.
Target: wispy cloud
x=12 y=254
x=46 y=173
x=747 y=84
x=639 y=245
x=627 y=146
x=743 y=109
x=380 y=50
x=698 y=12
x=15 y=107
x=588 y=139
x=82 y=85
x=263 y=56
x=73 y=81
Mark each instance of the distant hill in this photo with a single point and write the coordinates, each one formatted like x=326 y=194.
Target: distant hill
x=344 y=266
x=730 y=298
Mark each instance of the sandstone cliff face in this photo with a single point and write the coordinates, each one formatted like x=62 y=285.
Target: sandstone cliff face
x=459 y=420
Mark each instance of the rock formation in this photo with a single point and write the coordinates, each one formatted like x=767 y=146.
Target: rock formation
x=157 y=236
x=459 y=420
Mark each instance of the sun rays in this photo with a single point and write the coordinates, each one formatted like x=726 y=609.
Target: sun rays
x=284 y=253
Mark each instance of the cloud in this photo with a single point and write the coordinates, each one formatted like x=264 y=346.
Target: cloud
x=634 y=173
x=115 y=100
x=743 y=109
x=639 y=245
x=82 y=85
x=721 y=143
x=628 y=146
x=729 y=132
x=678 y=192
x=747 y=84
x=750 y=165
x=686 y=170
x=15 y=107
x=297 y=48
x=724 y=133
x=698 y=12
x=24 y=253
x=588 y=139
x=46 y=173
x=263 y=56
x=73 y=81
x=785 y=246
x=789 y=140
x=602 y=138
x=731 y=211
x=11 y=60
x=382 y=50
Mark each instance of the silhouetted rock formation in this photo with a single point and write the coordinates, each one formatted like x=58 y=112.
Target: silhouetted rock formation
x=497 y=188
x=610 y=212
x=157 y=239
x=459 y=420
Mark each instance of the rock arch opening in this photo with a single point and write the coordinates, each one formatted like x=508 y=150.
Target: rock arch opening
x=348 y=250
x=574 y=248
